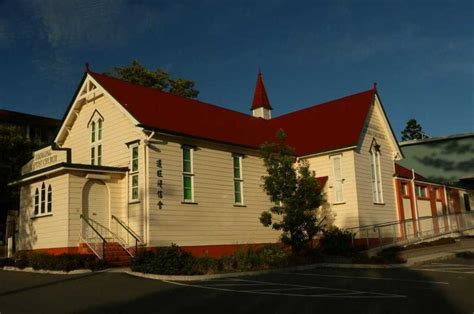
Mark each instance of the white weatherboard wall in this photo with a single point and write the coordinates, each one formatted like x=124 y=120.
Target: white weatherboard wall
x=77 y=180
x=118 y=130
x=214 y=219
x=48 y=231
x=346 y=213
x=369 y=212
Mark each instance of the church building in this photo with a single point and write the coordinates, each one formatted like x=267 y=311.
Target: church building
x=141 y=167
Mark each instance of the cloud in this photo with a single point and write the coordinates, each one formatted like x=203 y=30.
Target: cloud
x=76 y=23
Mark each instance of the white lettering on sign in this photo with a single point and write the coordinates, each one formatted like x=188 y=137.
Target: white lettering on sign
x=45 y=161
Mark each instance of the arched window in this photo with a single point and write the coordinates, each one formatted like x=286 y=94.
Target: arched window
x=377 y=193
x=37 y=200
x=50 y=199
x=43 y=198
x=93 y=132
x=96 y=141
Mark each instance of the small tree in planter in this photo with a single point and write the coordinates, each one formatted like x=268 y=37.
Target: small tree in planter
x=295 y=193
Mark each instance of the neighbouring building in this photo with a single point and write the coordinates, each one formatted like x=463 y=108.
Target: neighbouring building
x=36 y=128
x=448 y=159
x=425 y=204
x=167 y=169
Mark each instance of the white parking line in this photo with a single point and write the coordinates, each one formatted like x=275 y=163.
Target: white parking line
x=341 y=293
x=365 y=278
x=236 y=284
x=446 y=271
x=443 y=264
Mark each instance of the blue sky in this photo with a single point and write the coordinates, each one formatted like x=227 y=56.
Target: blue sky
x=421 y=53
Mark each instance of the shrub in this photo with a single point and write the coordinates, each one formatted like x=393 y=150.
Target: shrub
x=21 y=260
x=173 y=261
x=7 y=262
x=337 y=241
x=63 y=262
x=167 y=261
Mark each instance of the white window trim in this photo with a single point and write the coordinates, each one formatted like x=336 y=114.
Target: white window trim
x=240 y=180
x=96 y=142
x=335 y=181
x=376 y=171
x=188 y=174
x=421 y=187
x=41 y=200
x=133 y=173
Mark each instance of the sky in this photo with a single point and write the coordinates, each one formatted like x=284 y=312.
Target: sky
x=420 y=53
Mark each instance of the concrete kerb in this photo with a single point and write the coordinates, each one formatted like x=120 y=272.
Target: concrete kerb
x=259 y=272
x=51 y=272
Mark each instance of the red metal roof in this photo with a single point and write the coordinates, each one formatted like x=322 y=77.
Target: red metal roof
x=321 y=182
x=332 y=125
x=403 y=172
x=260 y=98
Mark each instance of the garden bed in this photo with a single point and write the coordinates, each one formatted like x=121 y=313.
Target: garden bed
x=55 y=263
x=175 y=261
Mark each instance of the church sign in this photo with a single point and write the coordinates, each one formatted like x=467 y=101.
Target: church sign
x=43 y=158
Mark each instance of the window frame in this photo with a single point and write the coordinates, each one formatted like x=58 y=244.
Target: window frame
x=421 y=187
x=188 y=174
x=42 y=201
x=96 y=152
x=134 y=174
x=376 y=174
x=405 y=189
x=36 y=206
x=338 y=182
x=49 y=201
x=238 y=181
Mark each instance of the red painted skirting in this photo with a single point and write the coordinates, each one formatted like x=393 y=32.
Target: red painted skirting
x=197 y=250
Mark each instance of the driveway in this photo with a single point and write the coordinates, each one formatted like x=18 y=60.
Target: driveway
x=443 y=287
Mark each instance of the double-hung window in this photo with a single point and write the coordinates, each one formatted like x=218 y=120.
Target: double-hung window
x=188 y=174
x=96 y=142
x=238 y=181
x=134 y=172
x=377 y=193
x=338 y=180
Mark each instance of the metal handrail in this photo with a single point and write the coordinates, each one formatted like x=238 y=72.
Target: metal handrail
x=397 y=222
x=130 y=232
x=104 y=242
x=408 y=230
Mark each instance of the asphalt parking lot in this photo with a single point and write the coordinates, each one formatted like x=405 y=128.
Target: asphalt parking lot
x=438 y=287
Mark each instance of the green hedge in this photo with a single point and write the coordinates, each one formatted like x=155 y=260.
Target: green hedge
x=62 y=262
x=175 y=261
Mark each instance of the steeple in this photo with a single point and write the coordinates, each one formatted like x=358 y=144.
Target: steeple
x=261 y=105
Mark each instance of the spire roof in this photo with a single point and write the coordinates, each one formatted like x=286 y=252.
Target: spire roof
x=260 y=98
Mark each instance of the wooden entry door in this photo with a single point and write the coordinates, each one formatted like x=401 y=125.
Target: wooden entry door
x=95 y=202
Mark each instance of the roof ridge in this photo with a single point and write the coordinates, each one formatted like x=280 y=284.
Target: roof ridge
x=329 y=102
x=28 y=114
x=174 y=95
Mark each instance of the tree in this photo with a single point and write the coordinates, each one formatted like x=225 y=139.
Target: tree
x=158 y=79
x=294 y=191
x=15 y=151
x=413 y=131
